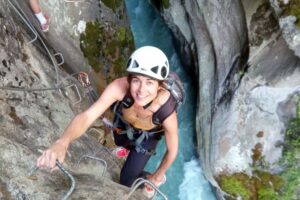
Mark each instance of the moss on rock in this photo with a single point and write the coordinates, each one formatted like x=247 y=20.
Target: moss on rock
x=90 y=44
x=166 y=4
x=291 y=8
x=113 y=4
x=235 y=185
x=107 y=47
x=291 y=158
x=261 y=185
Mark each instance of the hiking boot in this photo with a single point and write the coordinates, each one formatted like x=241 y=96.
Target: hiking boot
x=120 y=152
x=149 y=192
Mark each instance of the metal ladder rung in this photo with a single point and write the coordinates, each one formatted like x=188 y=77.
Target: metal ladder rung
x=94 y=158
x=140 y=181
x=61 y=57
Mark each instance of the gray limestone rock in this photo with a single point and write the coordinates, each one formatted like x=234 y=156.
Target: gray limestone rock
x=248 y=79
x=287 y=22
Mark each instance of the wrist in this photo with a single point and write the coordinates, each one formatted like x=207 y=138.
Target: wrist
x=158 y=176
x=63 y=142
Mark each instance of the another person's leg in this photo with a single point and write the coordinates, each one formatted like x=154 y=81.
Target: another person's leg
x=36 y=9
x=35 y=6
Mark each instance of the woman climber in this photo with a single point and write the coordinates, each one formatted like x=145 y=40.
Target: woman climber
x=144 y=112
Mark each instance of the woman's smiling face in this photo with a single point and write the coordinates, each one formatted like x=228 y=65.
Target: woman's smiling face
x=143 y=89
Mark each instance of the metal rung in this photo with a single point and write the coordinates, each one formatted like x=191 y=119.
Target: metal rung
x=78 y=93
x=34 y=39
x=66 y=173
x=71 y=178
x=97 y=130
x=26 y=22
x=109 y=152
x=61 y=57
x=95 y=158
x=31 y=27
x=140 y=181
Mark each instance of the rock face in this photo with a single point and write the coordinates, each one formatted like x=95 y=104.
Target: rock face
x=37 y=101
x=248 y=79
x=217 y=36
x=69 y=21
x=286 y=12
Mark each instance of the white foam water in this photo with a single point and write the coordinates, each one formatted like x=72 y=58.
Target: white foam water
x=194 y=185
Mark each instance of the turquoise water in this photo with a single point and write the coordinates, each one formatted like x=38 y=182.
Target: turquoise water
x=185 y=180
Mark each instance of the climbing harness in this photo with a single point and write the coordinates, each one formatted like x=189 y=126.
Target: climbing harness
x=136 y=136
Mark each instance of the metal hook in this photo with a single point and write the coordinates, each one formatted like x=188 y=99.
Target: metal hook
x=83 y=78
x=59 y=165
x=140 y=181
x=95 y=158
x=77 y=91
x=61 y=57
x=66 y=173
x=26 y=22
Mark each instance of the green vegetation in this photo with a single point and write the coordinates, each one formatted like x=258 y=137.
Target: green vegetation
x=267 y=185
x=112 y=4
x=260 y=186
x=263 y=185
x=106 y=47
x=292 y=8
x=166 y=4
x=291 y=158
x=235 y=185
x=90 y=44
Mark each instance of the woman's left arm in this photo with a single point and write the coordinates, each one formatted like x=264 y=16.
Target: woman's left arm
x=170 y=125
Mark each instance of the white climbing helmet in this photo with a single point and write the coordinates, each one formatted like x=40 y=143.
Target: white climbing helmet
x=149 y=61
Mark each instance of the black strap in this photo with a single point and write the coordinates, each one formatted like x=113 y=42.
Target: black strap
x=127 y=100
x=158 y=117
x=161 y=114
x=164 y=111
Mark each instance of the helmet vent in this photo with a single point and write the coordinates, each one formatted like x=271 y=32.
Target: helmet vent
x=163 y=71
x=129 y=63
x=154 y=69
x=135 y=64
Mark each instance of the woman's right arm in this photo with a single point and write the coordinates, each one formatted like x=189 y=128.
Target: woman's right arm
x=113 y=92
